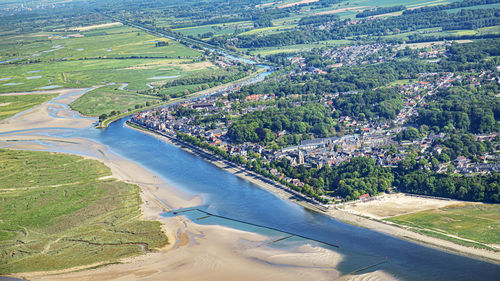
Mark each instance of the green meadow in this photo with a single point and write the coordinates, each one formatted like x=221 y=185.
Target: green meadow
x=111 y=42
x=106 y=99
x=12 y=105
x=85 y=73
x=109 y=56
x=459 y=223
x=60 y=211
x=217 y=29
x=98 y=57
x=296 y=48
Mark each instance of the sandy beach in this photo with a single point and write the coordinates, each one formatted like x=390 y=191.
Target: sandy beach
x=403 y=233
x=366 y=214
x=194 y=252
x=239 y=172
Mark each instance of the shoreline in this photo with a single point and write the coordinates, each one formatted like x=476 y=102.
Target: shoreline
x=344 y=216
x=188 y=241
x=232 y=168
x=195 y=251
x=106 y=122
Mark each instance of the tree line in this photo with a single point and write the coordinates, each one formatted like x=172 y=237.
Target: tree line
x=380 y=11
x=464 y=19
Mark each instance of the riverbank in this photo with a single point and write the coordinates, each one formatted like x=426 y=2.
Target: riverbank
x=194 y=252
x=105 y=123
x=276 y=188
x=343 y=215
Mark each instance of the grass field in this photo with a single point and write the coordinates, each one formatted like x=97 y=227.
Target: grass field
x=268 y=30
x=217 y=29
x=57 y=212
x=490 y=6
x=11 y=105
x=74 y=59
x=469 y=224
x=296 y=48
x=343 y=9
x=118 y=41
x=109 y=98
x=85 y=73
x=105 y=56
x=489 y=30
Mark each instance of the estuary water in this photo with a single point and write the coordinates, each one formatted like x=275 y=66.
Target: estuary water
x=225 y=194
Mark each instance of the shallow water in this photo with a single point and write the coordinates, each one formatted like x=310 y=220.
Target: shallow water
x=50 y=87
x=225 y=194
x=9 y=60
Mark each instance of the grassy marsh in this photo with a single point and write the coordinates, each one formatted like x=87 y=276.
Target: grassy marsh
x=58 y=212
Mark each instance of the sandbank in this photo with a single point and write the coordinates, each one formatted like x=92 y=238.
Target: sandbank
x=40 y=115
x=194 y=252
x=373 y=213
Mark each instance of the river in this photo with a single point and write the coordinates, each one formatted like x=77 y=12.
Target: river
x=225 y=194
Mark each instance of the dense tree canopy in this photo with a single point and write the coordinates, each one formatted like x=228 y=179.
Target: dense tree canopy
x=262 y=126
x=471 y=109
x=412 y=178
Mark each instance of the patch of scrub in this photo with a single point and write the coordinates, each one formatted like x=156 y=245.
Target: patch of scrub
x=13 y=84
x=163 y=77
x=50 y=87
x=5 y=79
x=34 y=77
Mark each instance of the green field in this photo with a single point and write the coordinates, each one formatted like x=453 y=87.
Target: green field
x=490 y=6
x=267 y=30
x=217 y=29
x=86 y=73
x=296 y=48
x=458 y=223
x=58 y=212
x=344 y=9
x=92 y=72
x=97 y=57
x=109 y=56
x=106 y=99
x=112 y=42
x=12 y=105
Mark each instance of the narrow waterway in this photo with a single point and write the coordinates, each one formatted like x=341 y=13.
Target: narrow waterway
x=225 y=194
